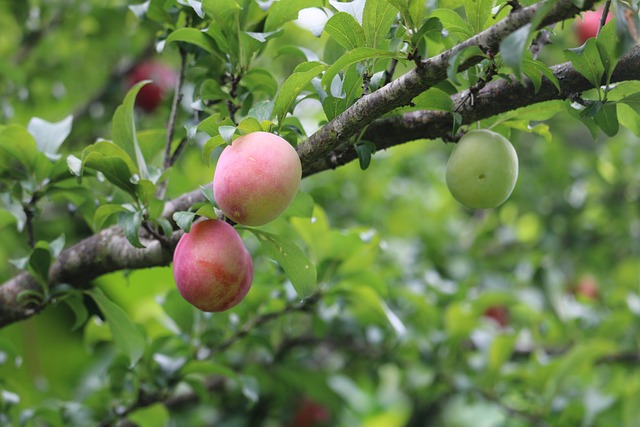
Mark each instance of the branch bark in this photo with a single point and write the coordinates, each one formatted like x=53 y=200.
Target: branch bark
x=430 y=72
x=109 y=251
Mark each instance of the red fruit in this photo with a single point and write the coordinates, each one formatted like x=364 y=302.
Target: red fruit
x=212 y=267
x=499 y=314
x=587 y=27
x=310 y=414
x=587 y=288
x=152 y=94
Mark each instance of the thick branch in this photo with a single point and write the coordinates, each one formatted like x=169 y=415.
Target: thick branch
x=495 y=98
x=432 y=71
x=102 y=253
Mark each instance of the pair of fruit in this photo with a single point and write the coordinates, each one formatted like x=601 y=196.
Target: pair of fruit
x=256 y=178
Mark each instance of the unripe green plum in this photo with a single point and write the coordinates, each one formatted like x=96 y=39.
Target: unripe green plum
x=212 y=267
x=256 y=178
x=482 y=170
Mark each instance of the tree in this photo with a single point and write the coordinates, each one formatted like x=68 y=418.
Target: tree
x=372 y=292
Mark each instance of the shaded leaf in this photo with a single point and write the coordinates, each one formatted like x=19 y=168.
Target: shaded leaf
x=127 y=337
x=295 y=263
x=131 y=223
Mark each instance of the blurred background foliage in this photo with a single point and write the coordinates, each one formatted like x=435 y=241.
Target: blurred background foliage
x=401 y=332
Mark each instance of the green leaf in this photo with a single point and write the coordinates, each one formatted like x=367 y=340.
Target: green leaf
x=513 y=47
x=103 y=213
x=113 y=162
x=377 y=18
x=586 y=60
x=453 y=23
x=260 y=79
x=534 y=69
x=77 y=306
x=225 y=12
x=17 y=143
x=209 y=146
x=207 y=192
x=500 y=352
x=301 y=206
x=433 y=99
x=40 y=262
x=296 y=265
x=459 y=58
x=195 y=37
x=184 y=220
x=251 y=43
x=292 y=87
x=477 y=13
x=123 y=129
x=50 y=136
x=609 y=48
x=287 y=10
x=365 y=149
x=354 y=56
x=127 y=337
x=131 y=223
x=607 y=118
x=346 y=31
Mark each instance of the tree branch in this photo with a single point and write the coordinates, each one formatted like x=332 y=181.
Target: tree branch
x=430 y=72
x=495 y=98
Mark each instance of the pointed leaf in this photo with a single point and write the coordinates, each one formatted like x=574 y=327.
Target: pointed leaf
x=126 y=335
x=131 y=223
x=377 y=18
x=292 y=87
x=123 y=129
x=298 y=267
x=195 y=37
x=346 y=31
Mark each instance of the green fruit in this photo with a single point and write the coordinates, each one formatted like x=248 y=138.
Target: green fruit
x=482 y=170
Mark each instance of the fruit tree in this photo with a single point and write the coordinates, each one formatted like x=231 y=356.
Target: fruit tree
x=319 y=213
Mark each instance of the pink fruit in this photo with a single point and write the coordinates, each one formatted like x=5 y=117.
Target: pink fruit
x=587 y=27
x=256 y=178
x=212 y=267
x=152 y=94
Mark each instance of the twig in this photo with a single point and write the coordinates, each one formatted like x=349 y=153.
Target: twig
x=177 y=96
x=305 y=305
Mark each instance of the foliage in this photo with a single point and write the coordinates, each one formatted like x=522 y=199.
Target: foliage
x=371 y=291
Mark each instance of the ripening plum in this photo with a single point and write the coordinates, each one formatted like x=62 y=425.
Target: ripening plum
x=482 y=170
x=212 y=267
x=256 y=178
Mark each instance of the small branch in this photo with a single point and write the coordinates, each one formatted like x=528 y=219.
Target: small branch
x=177 y=96
x=605 y=13
x=388 y=73
x=305 y=305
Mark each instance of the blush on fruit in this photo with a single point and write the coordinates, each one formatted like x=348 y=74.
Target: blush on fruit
x=211 y=266
x=256 y=178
